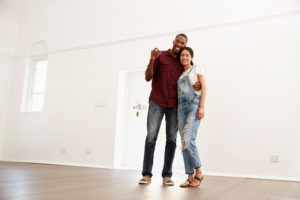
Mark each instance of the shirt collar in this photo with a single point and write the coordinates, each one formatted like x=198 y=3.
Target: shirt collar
x=169 y=53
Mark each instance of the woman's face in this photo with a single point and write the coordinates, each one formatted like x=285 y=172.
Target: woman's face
x=185 y=57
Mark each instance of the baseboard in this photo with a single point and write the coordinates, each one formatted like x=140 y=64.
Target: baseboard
x=59 y=163
x=252 y=176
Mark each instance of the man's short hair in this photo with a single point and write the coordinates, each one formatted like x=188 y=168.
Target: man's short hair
x=183 y=35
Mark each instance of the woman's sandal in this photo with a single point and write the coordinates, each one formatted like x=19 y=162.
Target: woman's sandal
x=186 y=184
x=199 y=179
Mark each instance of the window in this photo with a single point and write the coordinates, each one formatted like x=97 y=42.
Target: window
x=36 y=82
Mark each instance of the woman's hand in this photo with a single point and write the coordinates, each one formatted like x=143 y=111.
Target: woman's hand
x=200 y=113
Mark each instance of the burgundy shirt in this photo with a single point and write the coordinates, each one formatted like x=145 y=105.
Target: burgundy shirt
x=167 y=71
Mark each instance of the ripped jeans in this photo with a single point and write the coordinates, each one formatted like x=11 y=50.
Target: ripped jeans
x=188 y=126
x=155 y=116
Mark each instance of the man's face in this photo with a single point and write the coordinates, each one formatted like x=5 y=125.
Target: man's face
x=178 y=44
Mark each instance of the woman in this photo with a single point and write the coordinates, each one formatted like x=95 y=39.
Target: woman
x=190 y=113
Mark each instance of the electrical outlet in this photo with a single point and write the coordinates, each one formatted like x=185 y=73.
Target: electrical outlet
x=63 y=150
x=88 y=151
x=274 y=158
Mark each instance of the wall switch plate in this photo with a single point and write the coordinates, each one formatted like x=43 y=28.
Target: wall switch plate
x=274 y=158
x=100 y=104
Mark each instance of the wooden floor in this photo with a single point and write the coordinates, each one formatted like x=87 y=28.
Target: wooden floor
x=20 y=181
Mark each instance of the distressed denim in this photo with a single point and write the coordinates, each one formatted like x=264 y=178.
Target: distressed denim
x=155 y=115
x=188 y=124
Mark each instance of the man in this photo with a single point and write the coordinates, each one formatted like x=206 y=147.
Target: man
x=164 y=69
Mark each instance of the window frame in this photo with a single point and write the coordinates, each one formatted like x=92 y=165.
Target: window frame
x=27 y=105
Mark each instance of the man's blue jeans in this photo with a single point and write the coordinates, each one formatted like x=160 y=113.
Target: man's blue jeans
x=155 y=115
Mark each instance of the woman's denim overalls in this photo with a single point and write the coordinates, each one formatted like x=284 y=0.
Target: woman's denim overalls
x=188 y=104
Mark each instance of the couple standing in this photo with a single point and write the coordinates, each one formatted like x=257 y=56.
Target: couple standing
x=176 y=85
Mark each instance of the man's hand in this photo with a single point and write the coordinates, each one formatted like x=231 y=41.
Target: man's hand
x=155 y=53
x=149 y=71
x=197 y=86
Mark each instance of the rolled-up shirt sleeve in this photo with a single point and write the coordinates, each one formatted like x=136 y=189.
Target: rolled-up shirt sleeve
x=199 y=70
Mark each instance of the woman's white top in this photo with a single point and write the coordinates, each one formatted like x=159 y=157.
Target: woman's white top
x=193 y=75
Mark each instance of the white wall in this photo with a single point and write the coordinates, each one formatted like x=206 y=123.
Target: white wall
x=253 y=98
x=67 y=23
x=251 y=70
x=8 y=32
x=6 y=64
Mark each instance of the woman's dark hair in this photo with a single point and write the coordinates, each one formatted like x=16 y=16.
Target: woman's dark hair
x=190 y=50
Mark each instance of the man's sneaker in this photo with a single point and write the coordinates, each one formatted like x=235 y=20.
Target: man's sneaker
x=145 y=180
x=168 y=181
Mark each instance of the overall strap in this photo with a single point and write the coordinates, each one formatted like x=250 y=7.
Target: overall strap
x=190 y=70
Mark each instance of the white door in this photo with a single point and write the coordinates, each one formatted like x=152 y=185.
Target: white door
x=137 y=92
